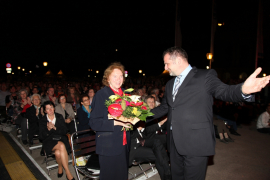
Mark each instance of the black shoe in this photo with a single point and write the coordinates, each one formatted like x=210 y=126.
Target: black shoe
x=235 y=133
x=42 y=153
x=24 y=142
x=71 y=179
x=223 y=140
x=60 y=175
x=229 y=140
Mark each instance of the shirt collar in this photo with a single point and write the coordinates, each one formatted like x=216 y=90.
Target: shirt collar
x=186 y=71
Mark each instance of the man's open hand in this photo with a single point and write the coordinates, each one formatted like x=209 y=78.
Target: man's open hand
x=254 y=84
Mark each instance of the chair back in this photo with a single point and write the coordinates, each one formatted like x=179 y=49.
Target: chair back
x=82 y=145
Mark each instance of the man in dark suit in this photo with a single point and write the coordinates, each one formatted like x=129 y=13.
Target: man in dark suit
x=145 y=147
x=188 y=101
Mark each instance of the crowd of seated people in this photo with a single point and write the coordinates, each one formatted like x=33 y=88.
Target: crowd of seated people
x=23 y=101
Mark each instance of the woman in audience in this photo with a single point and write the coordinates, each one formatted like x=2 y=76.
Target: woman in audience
x=67 y=112
x=52 y=132
x=84 y=113
x=91 y=94
x=19 y=108
x=73 y=98
x=34 y=114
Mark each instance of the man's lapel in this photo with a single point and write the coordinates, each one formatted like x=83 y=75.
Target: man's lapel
x=191 y=73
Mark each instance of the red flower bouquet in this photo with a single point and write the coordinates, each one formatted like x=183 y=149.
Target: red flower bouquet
x=127 y=108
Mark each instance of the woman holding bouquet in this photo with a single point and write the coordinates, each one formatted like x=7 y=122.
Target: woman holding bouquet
x=112 y=144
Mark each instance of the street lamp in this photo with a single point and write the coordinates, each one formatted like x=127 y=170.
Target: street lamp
x=140 y=71
x=45 y=64
x=143 y=74
x=23 y=69
x=209 y=56
x=97 y=71
x=19 y=67
x=30 y=71
x=207 y=67
x=264 y=74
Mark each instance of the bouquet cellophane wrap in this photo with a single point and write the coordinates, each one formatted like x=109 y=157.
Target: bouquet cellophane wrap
x=124 y=119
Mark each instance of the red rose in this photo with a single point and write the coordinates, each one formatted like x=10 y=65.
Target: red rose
x=139 y=103
x=132 y=103
x=115 y=110
x=144 y=107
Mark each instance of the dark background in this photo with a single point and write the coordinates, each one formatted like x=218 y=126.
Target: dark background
x=81 y=35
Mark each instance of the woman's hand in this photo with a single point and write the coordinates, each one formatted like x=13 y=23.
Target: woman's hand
x=29 y=101
x=120 y=123
x=50 y=126
x=68 y=120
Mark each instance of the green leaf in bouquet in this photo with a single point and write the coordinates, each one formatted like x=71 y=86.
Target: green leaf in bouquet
x=123 y=104
x=138 y=113
x=150 y=114
x=143 y=117
x=113 y=98
x=129 y=90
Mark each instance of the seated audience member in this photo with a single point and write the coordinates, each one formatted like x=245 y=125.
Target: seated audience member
x=35 y=90
x=67 y=112
x=73 y=98
x=10 y=99
x=147 y=149
x=221 y=128
x=85 y=89
x=84 y=114
x=50 y=96
x=3 y=94
x=156 y=91
x=34 y=114
x=19 y=109
x=91 y=94
x=52 y=132
x=60 y=91
x=226 y=114
x=156 y=102
x=140 y=93
x=161 y=134
x=263 y=124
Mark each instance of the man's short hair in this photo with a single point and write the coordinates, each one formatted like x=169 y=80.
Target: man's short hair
x=175 y=52
x=34 y=96
x=148 y=97
x=49 y=88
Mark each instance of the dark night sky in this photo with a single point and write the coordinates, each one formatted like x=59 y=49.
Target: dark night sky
x=81 y=35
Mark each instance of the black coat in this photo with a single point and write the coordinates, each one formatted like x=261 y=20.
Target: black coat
x=47 y=136
x=109 y=138
x=33 y=120
x=82 y=120
x=191 y=114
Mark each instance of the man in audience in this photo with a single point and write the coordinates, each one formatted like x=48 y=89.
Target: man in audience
x=146 y=148
x=263 y=124
x=161 y=133
x=50 y=96
x=10 y=100
x=3 y=94
x=33 y=114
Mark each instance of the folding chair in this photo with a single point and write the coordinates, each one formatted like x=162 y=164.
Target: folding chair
x=143 y=171
x=33 y=147
x=82 y=146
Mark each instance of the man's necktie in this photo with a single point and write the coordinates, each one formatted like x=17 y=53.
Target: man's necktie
x=176 y=86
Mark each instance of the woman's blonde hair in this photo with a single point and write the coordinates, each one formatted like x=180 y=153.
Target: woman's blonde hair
x=109 y=70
